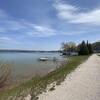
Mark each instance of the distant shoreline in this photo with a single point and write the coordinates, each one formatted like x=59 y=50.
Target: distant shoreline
x=29 y=51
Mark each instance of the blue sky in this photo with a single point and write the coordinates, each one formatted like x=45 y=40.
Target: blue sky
x=45 y=24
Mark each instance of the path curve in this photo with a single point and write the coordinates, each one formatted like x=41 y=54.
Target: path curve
x=82 y=84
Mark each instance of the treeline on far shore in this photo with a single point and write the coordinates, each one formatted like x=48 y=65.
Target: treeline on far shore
x=84 y=48
x=29 y=51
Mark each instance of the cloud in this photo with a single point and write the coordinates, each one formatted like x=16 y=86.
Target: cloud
x=69 y=13
x=65 y=11
x=7 y=23
x=24 y=27
x=42 y=29
x=74 y=32
x=92 y=17
x=45 y=30
x=35 y=30
x=3 y=14
x=75 y=15
x=7 y=40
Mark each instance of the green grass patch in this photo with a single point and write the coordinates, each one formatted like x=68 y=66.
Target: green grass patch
x=38 y=84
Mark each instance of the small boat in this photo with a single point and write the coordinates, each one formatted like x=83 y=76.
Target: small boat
x=43 y=59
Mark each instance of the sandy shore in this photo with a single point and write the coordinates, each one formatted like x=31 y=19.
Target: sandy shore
x=82 y=84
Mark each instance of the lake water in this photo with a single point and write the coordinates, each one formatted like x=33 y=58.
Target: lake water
x=25 y=65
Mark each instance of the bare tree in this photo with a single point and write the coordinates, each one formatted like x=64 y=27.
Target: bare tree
x=64 y=46
x=69 y=46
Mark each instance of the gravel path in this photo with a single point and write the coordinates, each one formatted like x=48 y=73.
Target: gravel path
x=82 y=84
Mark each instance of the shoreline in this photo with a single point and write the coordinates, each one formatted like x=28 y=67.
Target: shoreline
x=82 y=84
x=13 y=83
x=38 y=84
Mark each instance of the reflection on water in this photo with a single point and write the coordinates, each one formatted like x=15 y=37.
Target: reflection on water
x=26 y=65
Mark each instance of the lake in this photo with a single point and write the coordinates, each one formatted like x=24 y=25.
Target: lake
x=26 y=65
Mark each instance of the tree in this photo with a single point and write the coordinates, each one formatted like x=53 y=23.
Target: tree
x=72 y=47
x=90 y=48
x=64 y=46
x=83 y=49
x=68 y=47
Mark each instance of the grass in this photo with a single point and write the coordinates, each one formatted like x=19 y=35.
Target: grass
x=38 y=84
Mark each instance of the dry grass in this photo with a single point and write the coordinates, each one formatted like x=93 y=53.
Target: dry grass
x=5 y=73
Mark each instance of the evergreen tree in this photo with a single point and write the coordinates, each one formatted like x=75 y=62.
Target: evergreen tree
x=83 y=49
x=87 y=43
x=90 y=48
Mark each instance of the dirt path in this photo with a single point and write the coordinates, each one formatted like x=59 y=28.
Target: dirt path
x=82 y=84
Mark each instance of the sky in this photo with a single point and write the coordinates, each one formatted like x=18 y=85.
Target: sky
x=45 y=24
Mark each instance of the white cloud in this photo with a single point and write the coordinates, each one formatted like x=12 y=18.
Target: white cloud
x=73 y=14
x=14 y=25
x=92 y=17
x=73 y=32
x=44 y=30
x=36 y=30
x=28 y=29
x=7 y=40
x=24 y=27
x=66 y=12
x=39 y=30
